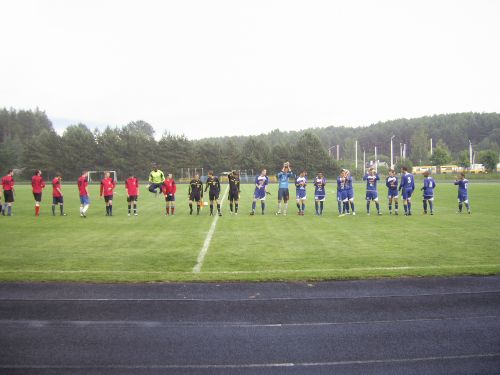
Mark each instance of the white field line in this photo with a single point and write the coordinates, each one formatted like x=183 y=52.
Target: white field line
x=206 y=244
x=270 y=271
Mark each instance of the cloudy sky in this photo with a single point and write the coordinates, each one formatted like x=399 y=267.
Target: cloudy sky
x=209 y=68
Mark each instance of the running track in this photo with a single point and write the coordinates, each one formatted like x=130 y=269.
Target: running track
x=404 y=326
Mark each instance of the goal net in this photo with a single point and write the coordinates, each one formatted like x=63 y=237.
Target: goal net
x=96 y=176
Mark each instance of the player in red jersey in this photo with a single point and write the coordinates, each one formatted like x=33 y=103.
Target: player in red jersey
x=57 y=195
x=38 y=184
x=132 y=187
x=169 y=188
x=8 y=192
x=108 y=185
x=83 y=183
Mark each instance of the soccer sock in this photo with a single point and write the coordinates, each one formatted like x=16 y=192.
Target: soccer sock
x=218 y=207
x=390 y=207
x=110 y=209
x=254 y=204
x=172 y=209
x=81 y=210
x=466 y=205
x=236 y=207
x=377 y=205
x=263 y=206
x=85 y=208
x=303 y=207
x=321 y=207
x=107 y=210
x=425 y=205
x=37 y=210
x=286 y=207
x=211 y=208
x=298 y=206
x=396 y=206
x=368 y=206
x=346 y=205
x=129 y=206
x=316 y=207
x=279 y=206
x=431 y=204
x=352 y=206
x=190 y=208
x=53 y=210
x=409 y=207
x=61 y=208
x=135 y=208
x=198 y=209
x=9 y=210
x=231 y=207
x=339 y=203
x=167 y=209
x=1 y=210
x=405 y=207
x=460 y=207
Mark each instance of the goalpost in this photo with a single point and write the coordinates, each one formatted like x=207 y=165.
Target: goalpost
x=99 y=175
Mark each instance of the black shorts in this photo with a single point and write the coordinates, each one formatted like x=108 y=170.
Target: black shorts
x=170 y=198
x=234 y=195
x=132 y=198
x=213 y=195
x=57 y=200
x=195 y=196
x=37 y=196
x=8 y=196
x=108 y=198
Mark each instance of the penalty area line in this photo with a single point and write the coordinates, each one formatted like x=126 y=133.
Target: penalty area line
x=208 y=239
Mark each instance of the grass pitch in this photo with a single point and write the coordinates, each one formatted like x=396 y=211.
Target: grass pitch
x=152 y=247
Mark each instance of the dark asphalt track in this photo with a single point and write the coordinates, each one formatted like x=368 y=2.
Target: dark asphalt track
x=405 y=326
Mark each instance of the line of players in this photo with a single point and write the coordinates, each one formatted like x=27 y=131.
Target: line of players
x=157 y=181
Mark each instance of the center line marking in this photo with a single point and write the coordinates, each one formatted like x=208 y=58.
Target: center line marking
x=206 y=244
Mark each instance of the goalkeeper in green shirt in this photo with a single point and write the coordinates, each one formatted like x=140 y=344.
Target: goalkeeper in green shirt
x=156 y=178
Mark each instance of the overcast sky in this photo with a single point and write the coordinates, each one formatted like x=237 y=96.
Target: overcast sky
x=210 y=68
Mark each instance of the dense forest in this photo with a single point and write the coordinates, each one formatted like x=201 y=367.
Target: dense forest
x=28 y=141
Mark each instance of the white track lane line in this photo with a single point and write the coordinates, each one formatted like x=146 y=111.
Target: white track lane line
x=206 y=244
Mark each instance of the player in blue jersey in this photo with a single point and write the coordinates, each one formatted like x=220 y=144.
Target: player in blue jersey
x=301 y=185
x=407 y=185
x=261 y=184
x=319 y=193
x=341 y=194
x=428 y=189
x=349 y=188
x=392 y=191
x=283 y=192
x=463 y=192
x=371 y=179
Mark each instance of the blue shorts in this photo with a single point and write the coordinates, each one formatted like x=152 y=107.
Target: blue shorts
x=84 y=199
x=170 y=198
x=371 y=195
x=428 y=197
x=341 y=195
x=392 y=193
x=283 y=194
x=259 y=194
x=320 y=197
x=301 y=194
x=350 y=194
x=407 y=193
x=57 y=200
x=462 y=197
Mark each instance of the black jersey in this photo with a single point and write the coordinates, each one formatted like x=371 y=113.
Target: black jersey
x=195 y=186
x=234 y=183
x=213 y=183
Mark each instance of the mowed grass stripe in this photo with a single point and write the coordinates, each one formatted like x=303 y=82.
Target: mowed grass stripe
x=153 y=247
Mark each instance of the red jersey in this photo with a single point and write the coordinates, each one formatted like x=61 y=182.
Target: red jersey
x=7 y=182
x=132 y=186
x=107 y=186
x=169 y=187
x=37 y=183
x=56 y=188
x=83 y=182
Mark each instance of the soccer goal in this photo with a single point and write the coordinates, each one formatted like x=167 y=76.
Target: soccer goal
x=99 y=175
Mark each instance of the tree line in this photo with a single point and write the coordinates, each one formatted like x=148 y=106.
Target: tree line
x=28 y=141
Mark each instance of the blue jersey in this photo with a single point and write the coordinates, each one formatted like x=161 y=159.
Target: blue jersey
x=429 y=185
x=392 y=183
x=463 y=185
x=283 y=179
x=407 y=182
x=301 y=183
x=371 y=182
x=261 y=182
x=340 y=184
x=349 y=181
x=319 y=185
